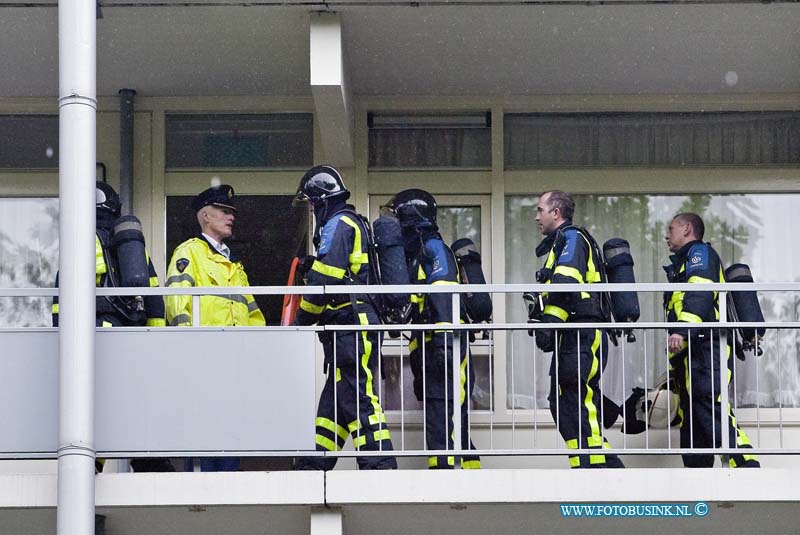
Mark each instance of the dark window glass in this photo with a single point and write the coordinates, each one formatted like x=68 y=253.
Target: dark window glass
x=223 y=140
x=425 y=141
x=651 y=139
x=28 y=141
x=267 y=234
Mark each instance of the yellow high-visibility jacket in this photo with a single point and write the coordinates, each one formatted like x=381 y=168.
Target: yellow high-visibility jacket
x=196 y=263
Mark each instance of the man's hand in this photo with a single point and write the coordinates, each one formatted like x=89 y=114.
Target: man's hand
x=675 y=342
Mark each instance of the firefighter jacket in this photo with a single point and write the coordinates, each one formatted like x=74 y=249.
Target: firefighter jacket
x=342 y=258
x=196 y=263
x=434 y=264
x=695 y=262
x=121 y=307
x=570 y=259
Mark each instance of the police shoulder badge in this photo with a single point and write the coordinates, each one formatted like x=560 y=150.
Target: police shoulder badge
x=181 y=264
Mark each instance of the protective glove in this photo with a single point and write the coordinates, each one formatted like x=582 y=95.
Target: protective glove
x=546 y=340
x=304 y=266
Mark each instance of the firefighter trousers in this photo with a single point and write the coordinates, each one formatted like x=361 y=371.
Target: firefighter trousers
x=349 y=403
x=575 y=397
x=701 y=403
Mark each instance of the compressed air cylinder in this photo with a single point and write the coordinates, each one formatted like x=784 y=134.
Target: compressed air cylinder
x=746 y=303
x=479 y=304
x=619 y=268
x=391 y=258
x=128 y=240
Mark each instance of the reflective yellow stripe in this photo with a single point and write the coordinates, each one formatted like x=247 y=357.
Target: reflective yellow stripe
x=574 y=462
x=354 y=426
x=106 y=324
x=382 y=434
x=433 y=462
x=689 y=317
x=444 y=283
x=367 y=348
x=360 y=441
x=332 y=426
x=311 y=307
x=325 y=269
x=54 y=308
x=570 y=272
x=153 y=282
x=412 y=345
x=375 y=419
x=572 y=444
x=695 y=278
x=156 y=322
x=99 y=261
x=471 y=465
x=357 y=258
x=327 y=443
x=558 y=312
x=595 y=439
x=338 y=374
x=597 y=459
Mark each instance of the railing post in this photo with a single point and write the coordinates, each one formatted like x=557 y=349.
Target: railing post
x=195 y=311
x=724 y=421
x=457 y=374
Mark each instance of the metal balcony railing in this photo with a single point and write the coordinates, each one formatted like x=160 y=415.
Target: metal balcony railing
x=504 y=428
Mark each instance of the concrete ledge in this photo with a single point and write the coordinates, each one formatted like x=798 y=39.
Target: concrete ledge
x=415 y=487
x=183 y=488
x=559 y=486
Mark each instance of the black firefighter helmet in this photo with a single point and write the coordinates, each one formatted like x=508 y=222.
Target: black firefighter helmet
x=320 y=183
x=414 y=208
x=107 y=199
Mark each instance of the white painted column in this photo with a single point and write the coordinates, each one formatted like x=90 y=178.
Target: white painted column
x=329 y=86
x=77 y=135
x=326 y=521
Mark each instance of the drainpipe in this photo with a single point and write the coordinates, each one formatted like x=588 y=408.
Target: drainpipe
x=126 y=97
x=77 y=106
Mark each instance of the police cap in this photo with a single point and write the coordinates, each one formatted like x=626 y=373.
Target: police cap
x=221 y=195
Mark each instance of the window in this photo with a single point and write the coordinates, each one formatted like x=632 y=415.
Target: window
x=237 y=140
x=28 y=141
x=28 y=258
x=430 y=141
x=649 y=139
x=752 y=229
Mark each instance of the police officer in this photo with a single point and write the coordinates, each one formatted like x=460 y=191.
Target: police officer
x=349 y=403
x=694 y=353
x=430 y=261
x=206 y=261
x=580 y=354
x=112 y=267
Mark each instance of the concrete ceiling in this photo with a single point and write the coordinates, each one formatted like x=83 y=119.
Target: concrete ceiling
x=501 y=49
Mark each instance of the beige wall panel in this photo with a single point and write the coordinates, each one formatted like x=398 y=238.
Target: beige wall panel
x=441 y=182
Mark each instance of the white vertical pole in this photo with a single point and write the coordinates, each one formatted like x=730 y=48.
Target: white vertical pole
x=77 y=115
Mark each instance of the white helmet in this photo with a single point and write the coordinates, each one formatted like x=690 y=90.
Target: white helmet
x=657 y=408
